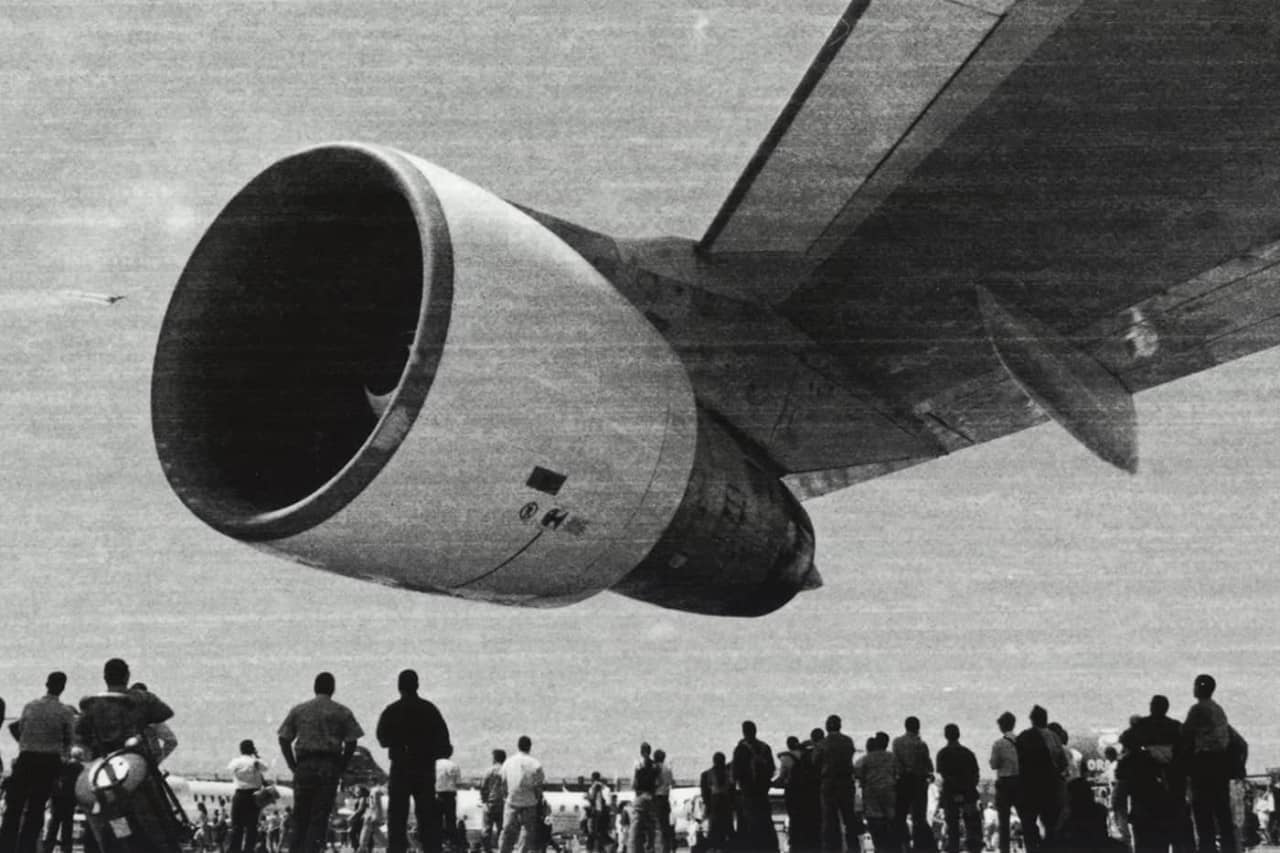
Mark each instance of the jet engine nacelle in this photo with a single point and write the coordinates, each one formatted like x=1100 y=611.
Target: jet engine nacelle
x=376 y=368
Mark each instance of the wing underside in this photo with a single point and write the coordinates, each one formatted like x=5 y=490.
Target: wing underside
x=1110 y=169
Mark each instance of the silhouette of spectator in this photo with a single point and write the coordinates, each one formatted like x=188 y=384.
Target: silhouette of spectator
x=318 y=738
x=448 y=777
x=493 y=796
x=1041 y=763
x=877 y=772
x=1206 y=737
x=662 y=799
x=62 y=807
x=523 y=778
x=958 y=768
x=416 y=736
x=598 y=817
x=645 y=829
x=717 y=800
x=1085 y=826
x=44 y=732
x=1004 y=760
x=833 y=758
x=798 y=776
x=247 y=771
x=753 y=769
x=916 y=772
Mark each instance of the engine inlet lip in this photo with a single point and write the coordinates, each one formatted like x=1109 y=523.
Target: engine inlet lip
x=411 y=391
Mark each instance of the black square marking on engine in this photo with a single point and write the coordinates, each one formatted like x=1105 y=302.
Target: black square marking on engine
x=545 y=481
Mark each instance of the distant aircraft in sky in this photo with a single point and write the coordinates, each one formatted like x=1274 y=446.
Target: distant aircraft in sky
x=969 y=218
x=86 y=296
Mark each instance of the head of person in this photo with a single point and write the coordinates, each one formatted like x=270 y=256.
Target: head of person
x=834 y=723
x=56 y=683
x=247 y=747
x=748 y=730
x=873 y=744
x=595 y=775
x=645 y=749
x=883 y=739
x=1039 y=717
x=717 y=760
x=817 y=735
x=912 y=725
x=115 y=673
x=793 y=742
x=407 y=682
x=1204 y=686
x=324 y=684
x=1006 y=722
x=1110 y=753
x=1159 y=706
x=951 y=732
x=1058 y=730
x=659 y=756
x=524 y=744
x=499 y=756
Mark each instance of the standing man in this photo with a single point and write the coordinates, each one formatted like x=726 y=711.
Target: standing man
x=415 y=735
x=915 y=769
x=448 y=777
x=523 y=779
x=753 y=768
x=1004 y=760
x=247 y=771
x=493 y=797
x=833 y=757
x=1041 y=765
x=1206 y=736
x=877 y=771
x=717 y=798
x=959 y=771
x=44 y=740
x=645 y=830
x=317 y=738
x=662 y=799
x=62 y=808
x=598 y=817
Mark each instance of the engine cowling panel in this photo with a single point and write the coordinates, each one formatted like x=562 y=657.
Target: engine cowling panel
x=376 y=368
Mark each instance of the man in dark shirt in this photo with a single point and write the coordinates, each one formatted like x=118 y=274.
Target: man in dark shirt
x=1206 y=737
x=317 y=738
x=833 y=758
x=958 y=768
x=716 y=785
x=915 y=769
x=415 y=735
x=107 y=722
x=753 y=768
x=1041 y=760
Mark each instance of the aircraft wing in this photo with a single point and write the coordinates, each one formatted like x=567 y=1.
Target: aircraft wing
x=1107 y=171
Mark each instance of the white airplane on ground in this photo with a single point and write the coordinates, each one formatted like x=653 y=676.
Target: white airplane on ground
x=214 y=794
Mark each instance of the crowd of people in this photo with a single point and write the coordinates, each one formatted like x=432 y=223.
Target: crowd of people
x=1171 y=788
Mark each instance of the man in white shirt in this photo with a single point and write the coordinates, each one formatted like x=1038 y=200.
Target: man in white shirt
x=246 y=769
x=522 y=775
x=448 y=777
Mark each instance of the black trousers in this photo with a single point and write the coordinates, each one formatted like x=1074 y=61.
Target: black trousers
x=420 y=784
x=26 y=796
x=315 y=785
x=244 y=822
x=913 y=799
x=1211 y=802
